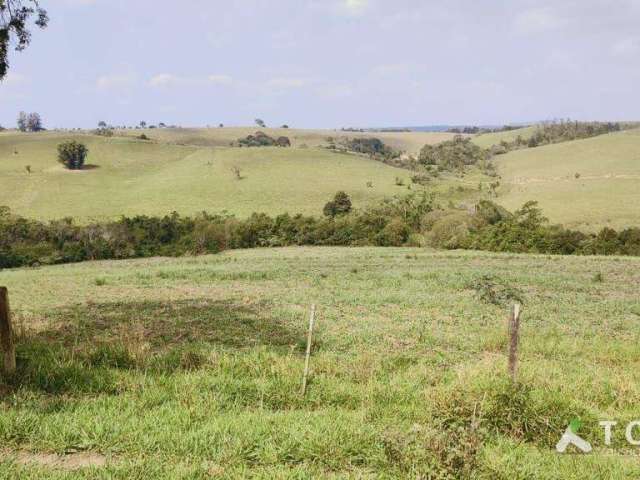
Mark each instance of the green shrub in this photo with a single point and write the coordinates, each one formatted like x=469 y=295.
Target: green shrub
x=453 y=154
x=72 y=154
x=450 y=231
x=340 y=205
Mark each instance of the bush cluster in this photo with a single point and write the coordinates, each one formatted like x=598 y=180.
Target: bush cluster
x=561 y=131
x=261 y=139
x=453 y=154
x=26 y=242
x=408 y=220
x=526 y=230
x=72 y=154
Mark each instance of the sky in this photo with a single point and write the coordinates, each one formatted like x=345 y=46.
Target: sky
x=328 y=63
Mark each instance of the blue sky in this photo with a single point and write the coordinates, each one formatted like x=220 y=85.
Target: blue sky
x=328 y=63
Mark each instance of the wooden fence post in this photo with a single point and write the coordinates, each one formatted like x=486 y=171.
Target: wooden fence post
x=6 y=334
x=514 y=340
x=308 y=353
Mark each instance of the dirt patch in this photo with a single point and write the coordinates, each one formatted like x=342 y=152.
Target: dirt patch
x=73 y=461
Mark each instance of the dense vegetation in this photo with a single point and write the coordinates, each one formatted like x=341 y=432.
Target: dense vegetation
x=72 y=154
x=561 y=131
x=453 y=154
x=261 y=139
x=410 y=220
x=374 y=147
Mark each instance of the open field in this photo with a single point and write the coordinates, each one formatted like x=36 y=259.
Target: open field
x=584 y=184
x=128 y=177
x=410 y=142
x=183 y=368
x=487 y=140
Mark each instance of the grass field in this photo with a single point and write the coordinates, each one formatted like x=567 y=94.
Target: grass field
x=584 y=184
x=127 y=176
x=487 y=140
x=187 y=368
x=410 y=142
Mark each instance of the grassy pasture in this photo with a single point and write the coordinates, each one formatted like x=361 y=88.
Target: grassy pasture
x=191 y=367
x=584 y=184
x=410 y=142
x=128 y=176
x=487 y=140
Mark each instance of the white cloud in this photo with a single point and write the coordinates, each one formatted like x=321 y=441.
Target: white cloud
x=74 y=3
x=169 y=80
x=626 y=47
x=115 y=81
x=164 y=80
x=537 y=20
x=354 y=7
x=335 y=91
x=220 y=79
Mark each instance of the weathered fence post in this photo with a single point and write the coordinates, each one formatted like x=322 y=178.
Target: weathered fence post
x=308 y=353
x=514 y=339
x=6 y=334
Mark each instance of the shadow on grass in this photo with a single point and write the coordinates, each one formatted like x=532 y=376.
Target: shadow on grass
x=84 y=346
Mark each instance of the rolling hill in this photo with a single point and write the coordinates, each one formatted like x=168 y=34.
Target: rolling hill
x=129 y=176
x=487 y=140
x=584 y=184
x=410 y=142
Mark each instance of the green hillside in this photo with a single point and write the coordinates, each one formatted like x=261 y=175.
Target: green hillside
x=410 y=142
x=487 y=140
x=129 y=176
x=584 y=184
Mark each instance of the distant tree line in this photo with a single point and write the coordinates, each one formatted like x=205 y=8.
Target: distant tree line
x=412 y=220
x=473 y=130
x=561 y=131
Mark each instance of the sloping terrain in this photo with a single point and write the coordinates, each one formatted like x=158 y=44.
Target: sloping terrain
x=584 y=184
x=130 y=176
x=410 y=142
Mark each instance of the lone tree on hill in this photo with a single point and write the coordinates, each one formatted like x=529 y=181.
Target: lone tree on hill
x=22 y=121
x=34 y=122
x=340 y=205
x=14 y=18
x=260 y=123
x=72 y=154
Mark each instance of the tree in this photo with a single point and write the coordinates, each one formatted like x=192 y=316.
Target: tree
x=22 y=121
x=260 y=123
x=14 y=18
x=143 y=124
x=34 y=122
x=72 y=154
x=340 y=205
x=102 y=124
